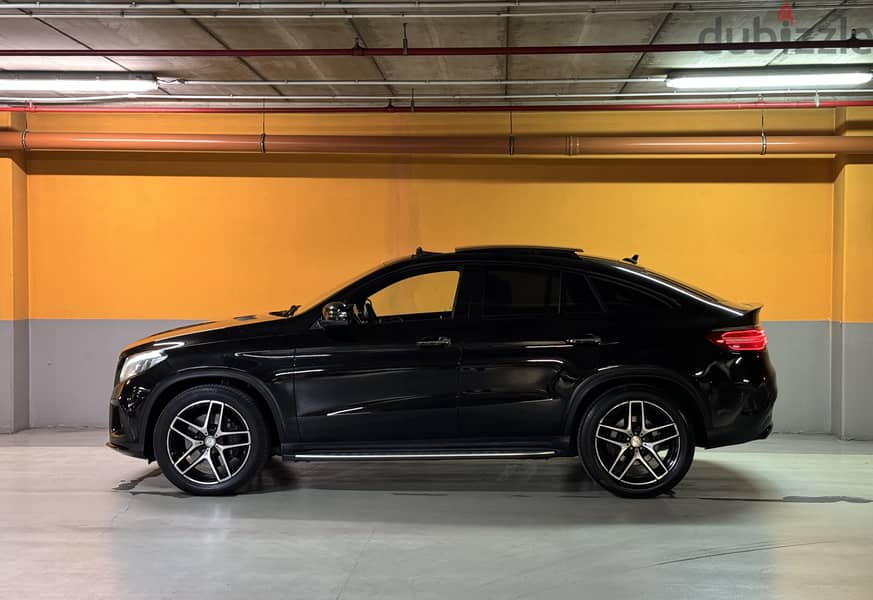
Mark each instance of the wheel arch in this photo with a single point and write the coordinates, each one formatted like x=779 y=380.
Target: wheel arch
x=171 y=387
x=664 y=380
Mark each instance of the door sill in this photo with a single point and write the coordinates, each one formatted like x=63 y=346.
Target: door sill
x=444 y=454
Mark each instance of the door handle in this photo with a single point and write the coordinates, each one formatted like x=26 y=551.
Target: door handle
x=436 y=341
x=584 y=340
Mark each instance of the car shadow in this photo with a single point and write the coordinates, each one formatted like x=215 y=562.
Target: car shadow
x=539 y=493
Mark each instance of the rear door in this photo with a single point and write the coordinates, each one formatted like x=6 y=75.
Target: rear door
x=534 y=333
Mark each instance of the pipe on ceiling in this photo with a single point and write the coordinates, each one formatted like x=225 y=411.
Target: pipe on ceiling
x=500 y=13
x=338 y=5
x=407 y=82
x=598 y=106
x=237 y=10
x=851 y=43
x=534 y=145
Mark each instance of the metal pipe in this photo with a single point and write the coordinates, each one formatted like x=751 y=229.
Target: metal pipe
x=586 y=107
x=361 y=98
x=539 y=145
x=408 y=82
x=265 y=11
x=592 y=12
x=851 y=43
x=327 y=5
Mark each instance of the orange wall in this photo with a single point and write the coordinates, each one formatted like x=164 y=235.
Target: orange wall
x=13 y=240
x=127 y=235
x=218 y=237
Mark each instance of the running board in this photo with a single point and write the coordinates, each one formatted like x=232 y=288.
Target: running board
x=423 y=455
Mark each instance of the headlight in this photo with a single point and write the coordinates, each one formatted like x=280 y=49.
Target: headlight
x=138 y=363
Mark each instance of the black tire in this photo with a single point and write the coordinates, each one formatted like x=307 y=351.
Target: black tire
x=230 y=464
x=647 y=462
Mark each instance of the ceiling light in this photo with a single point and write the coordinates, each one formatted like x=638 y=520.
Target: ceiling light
x=37 y=81
x=731 y=79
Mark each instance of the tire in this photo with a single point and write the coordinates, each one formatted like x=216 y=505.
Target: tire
x=193 y=457
x=650 y=460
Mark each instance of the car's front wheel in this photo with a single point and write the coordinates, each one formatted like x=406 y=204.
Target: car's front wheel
x=635 y=442
x=210 y=440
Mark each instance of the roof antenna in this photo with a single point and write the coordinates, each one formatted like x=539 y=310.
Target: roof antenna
x=632 y=260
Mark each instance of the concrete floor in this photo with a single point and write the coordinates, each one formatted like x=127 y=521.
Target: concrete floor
x=790 y=517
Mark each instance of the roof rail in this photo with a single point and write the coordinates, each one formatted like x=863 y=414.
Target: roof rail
x=421 y=252
x=520 y=249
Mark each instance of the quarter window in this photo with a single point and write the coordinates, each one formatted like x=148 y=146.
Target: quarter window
x=620 y=297
x=520 y=292
x=421 y=296
x=576 y=295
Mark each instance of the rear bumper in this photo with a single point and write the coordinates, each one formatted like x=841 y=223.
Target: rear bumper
x=754 y=420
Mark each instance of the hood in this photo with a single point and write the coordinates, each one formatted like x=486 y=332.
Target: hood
x=210 y=331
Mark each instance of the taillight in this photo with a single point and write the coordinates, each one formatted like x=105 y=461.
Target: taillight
x=740 y=339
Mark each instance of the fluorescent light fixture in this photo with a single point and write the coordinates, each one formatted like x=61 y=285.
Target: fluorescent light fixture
x=785 y=78
x=38 y=81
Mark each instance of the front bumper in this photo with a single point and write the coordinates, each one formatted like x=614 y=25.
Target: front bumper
x=127 y=425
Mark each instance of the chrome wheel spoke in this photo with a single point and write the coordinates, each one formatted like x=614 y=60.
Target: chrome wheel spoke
x=630 y=463
x=224 y=464
x=654 y=454
x=220 y=420
x=231 y=446
x=617 y=460
x=184 y=435
x=188 y=424
x=603 y=433
x=212 y=465
x=649 y=467
x=196 y=462
x=612 y=441
x=666 y=439
x=233 y=433
x=188 y=452
x=209 y=415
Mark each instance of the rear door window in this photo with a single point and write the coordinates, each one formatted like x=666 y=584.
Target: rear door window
x=520 y=291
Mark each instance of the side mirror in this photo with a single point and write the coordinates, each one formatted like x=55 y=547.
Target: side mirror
x=335 y=314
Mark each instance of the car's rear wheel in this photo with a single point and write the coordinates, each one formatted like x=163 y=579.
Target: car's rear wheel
x=635 y=442
x=210 y=440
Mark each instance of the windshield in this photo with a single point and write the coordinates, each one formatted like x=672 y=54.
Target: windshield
x=323 y=297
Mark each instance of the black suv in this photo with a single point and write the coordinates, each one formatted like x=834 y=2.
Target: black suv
x=486 y=352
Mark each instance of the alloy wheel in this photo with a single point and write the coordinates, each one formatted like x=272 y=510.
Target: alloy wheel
x=208 y=442
x=637 y=443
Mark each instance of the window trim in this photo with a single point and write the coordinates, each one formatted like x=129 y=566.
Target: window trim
x=455 y=298
x=584 y=275
x=370 y=287
x=667 y=302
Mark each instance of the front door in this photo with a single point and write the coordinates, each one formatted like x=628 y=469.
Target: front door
x=390 y=376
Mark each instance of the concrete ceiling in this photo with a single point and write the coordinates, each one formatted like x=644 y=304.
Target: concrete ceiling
x=652 y=26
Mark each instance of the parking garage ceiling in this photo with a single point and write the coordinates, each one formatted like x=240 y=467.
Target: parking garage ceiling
x=99 y=28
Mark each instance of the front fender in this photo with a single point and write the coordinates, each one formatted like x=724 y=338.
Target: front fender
x=194 y=373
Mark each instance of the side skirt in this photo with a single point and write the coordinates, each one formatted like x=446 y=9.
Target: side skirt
x=424 y=454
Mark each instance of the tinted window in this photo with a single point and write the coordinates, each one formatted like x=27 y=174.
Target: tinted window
x=576 y=295
x=620 y=297
x=520 y=292
x=417 y=295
